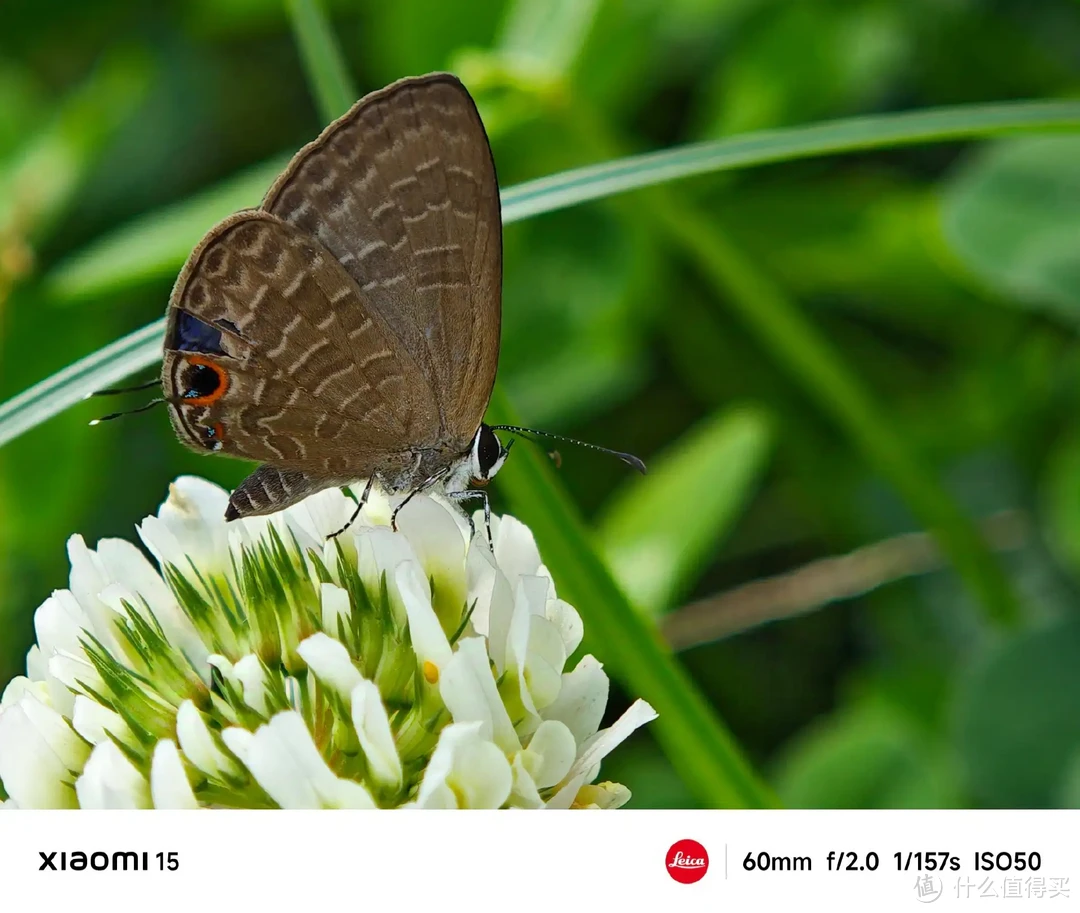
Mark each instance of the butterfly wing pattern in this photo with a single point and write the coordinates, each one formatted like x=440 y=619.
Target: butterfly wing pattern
x=349 y=327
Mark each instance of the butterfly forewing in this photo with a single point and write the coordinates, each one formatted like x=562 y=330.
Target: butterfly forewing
x=402 y=190
x=350 y=326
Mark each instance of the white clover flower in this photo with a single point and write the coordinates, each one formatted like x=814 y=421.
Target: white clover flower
x=264 y=665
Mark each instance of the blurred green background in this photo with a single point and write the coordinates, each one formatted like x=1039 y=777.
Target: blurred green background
x=945 y=277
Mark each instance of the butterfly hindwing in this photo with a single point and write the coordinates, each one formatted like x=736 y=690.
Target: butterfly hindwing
x=269 y=339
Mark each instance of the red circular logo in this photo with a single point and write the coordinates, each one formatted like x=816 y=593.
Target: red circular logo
x=687 y=861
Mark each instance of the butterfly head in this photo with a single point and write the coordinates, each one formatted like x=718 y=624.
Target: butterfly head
x=488 y=455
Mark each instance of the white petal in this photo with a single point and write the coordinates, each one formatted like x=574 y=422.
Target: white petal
x=199 y=745
x=582 y=699
x=544 y=662
x=190 y=523
x=379 y=551
x=336 y=608
x=524 y=793
x=428 y=638
x=331 y=664
x=321 y=514
x=285 y=762
x=37 y=667
x=568 y=622
x=88 y=579
x=550 y=753
x=600 y=745
x=465 y=771
x=18 y=688
x=56 y=731
x=493 y=599
x=95 y=722
x=169 y=786
x=238 y=741
x=470 y=694
x=126 y=565
x=251 y=674
x=34 y=775
x=602 y=795
x=74 y=673
x=60 y=624
x=567 y=793
x=110 y=780
x=436 y=539
x=515 y=548
x=373 y=730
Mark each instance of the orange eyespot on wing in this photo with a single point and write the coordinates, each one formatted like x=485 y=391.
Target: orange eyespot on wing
x=204 y=381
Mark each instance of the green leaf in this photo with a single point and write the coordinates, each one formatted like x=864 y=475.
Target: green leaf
x=663 y=528
x=43 y=177
x=694 y=739
x=1019 y=719
x=1012 y=216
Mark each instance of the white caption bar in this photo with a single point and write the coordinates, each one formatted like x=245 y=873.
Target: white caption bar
x=694 y=860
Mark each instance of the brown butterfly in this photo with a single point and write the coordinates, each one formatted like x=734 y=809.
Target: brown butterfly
x=348 y=328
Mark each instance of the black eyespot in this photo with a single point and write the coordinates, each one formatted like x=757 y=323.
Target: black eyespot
x=200 y=380
x=488 y=450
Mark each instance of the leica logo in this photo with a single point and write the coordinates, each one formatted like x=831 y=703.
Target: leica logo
x=687 y=861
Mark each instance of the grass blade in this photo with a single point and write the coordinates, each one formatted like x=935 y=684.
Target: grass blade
x=327 y=71
x=103 y=266
x=105 y=367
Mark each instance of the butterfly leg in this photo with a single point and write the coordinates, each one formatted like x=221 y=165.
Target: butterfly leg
x=423 y=486
x=470 y=494
x=359 y=507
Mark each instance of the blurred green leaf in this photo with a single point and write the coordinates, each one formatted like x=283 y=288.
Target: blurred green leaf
x=1012 y=216
x=663 y=528
x=865 y=756
x=1017 y=722
x=578 y=293
x=156 y=244
x=42 y=178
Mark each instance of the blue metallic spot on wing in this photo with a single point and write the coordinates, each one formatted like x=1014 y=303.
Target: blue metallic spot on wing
x=192 y=335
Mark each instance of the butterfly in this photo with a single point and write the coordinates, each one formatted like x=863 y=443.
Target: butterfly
x=348 y=328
